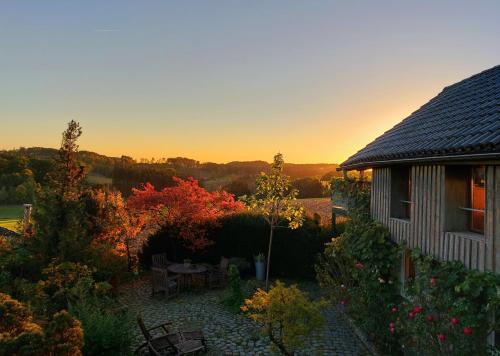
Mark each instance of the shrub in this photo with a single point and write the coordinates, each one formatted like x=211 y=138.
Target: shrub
x=236 y=298
x=64 y=335
x=448 y=309
x=286 y=314
x=20 y=335
x=106 y=331
x=359 y=267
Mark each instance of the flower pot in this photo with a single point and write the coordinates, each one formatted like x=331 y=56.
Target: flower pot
x=260 y=270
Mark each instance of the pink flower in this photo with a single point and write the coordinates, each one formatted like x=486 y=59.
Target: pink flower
x=430 y=318
x=417 y=309
x=454 y=321
x=467 y=330
x=343 y=302
x=411 y=315
x=392 y=325
x=359 y=265
x=394 y=309
x=391 y=330
x=433 y=281
x=441 y=337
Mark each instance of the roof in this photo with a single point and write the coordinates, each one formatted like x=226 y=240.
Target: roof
x=7 y=233
x=462 y=120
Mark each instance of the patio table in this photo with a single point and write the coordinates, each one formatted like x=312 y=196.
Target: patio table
x=186 y=272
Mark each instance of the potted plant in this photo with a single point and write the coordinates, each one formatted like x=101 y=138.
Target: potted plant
x=187 y=263
x=260 y=266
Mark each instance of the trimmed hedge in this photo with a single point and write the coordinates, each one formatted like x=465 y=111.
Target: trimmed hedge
x=244 y=235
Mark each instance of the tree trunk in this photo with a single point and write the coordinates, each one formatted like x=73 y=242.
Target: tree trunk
x=269 y=256
x=129 y=257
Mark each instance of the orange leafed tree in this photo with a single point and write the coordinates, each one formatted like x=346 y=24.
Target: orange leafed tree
x=120 y=226
x=188 y=207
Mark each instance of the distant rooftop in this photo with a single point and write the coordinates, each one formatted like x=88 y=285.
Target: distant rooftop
x=462 y=120
x=7 y=232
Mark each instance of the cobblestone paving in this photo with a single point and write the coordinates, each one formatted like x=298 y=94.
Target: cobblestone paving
x=226 y=332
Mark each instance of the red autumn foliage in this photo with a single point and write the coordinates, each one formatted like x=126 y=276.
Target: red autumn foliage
x=119 y=226
x=188 y=207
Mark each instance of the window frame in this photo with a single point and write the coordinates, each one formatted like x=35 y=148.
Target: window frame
x=472 y=209
x=404 y=196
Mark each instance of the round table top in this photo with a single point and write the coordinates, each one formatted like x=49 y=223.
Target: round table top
x=180 y=268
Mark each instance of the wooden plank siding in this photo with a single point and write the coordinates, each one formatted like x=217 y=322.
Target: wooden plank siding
x=426 y=227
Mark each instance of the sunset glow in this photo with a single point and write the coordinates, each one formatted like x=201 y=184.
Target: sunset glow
x=223 y=80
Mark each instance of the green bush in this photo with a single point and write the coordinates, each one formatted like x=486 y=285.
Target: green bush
x=235 y=299
x=106 y=331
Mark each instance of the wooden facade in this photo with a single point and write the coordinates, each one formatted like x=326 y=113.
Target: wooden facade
x=427 y=226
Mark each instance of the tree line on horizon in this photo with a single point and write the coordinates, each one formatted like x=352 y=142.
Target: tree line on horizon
x=23 y=169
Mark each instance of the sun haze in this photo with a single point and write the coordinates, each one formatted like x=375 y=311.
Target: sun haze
x=231 y=80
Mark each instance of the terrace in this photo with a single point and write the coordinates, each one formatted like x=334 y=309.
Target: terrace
x=229 y=333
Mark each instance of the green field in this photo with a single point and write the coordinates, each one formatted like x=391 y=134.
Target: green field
x=10 y=215
x=98 y=179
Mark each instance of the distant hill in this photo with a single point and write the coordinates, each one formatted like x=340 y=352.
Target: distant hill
x=125 y=173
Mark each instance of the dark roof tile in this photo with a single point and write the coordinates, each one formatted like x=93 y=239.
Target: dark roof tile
x=463 y=118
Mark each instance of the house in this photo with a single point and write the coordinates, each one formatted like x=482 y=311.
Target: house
x=436 y=175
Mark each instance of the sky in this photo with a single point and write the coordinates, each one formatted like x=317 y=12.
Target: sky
x=231 y=80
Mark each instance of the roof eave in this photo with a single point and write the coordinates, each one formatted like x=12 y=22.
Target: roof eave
x=433 y=159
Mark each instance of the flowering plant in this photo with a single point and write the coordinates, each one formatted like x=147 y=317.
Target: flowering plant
x=448 y=309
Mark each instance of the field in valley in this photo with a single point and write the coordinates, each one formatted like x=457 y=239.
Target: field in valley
x=10 y=215
x=322 y=206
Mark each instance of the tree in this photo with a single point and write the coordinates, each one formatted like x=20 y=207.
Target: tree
x=309 y=187
x=188 y=208
x=120 y=226
x=275 y=200
x=60 y=224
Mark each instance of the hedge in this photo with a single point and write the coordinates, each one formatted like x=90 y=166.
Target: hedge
x=245 y=235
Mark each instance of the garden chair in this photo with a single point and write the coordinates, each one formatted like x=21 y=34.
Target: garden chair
x=160 y=260
x=181 y=343
x=162 y=282
x=217 y=276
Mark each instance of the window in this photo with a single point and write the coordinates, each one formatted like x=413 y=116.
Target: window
x=465 y=198
x=477 y=199
x=401 y=192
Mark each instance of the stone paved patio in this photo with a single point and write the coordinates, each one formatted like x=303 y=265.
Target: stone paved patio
x=226 y=332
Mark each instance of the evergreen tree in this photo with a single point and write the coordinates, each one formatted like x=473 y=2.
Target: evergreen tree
x=59 y=214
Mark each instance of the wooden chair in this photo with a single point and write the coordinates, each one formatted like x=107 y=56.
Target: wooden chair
x=160 y=260
x=181 y=343
x=217 y=276
x=162 y=282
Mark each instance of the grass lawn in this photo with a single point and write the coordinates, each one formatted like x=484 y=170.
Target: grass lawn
x=10 y=215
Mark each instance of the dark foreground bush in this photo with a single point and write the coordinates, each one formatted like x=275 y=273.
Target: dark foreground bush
x=246 y=235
